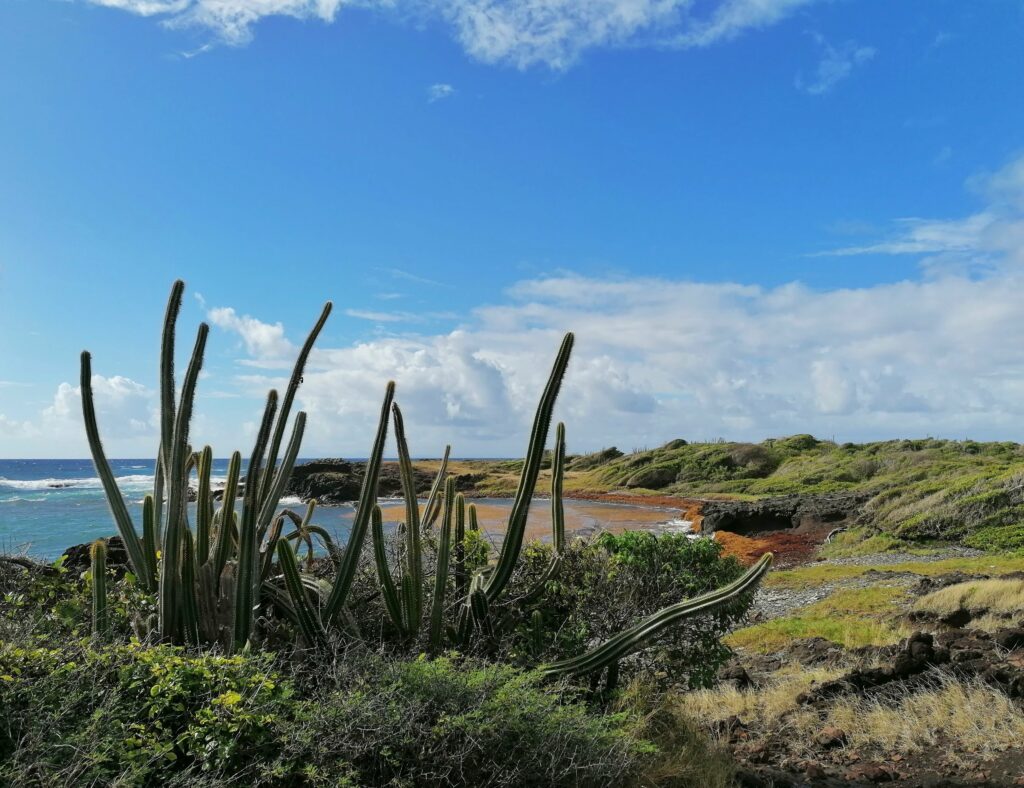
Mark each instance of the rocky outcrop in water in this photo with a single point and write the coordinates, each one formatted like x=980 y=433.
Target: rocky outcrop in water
x=336 y=481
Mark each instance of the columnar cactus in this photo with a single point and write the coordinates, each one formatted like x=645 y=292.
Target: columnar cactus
x=98 y=569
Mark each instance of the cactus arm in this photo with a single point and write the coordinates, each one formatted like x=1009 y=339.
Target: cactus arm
x=550 y=571
x=167 y=390
x=245 y=581
x=309 y=624
x=189 y=605
x=100 y=617
x=224 y=542
x=441 y=573
x=387 y=583
x=273 y=535
x=635 y=638
x=158 y=500
x=204 y=507
x=432 y=508
x=474 y=524
x=557 y=502
x=513 y=542
x=557 y=517
x=480 y=606
x=122 y=519
x=177 y=498
x=149 y=539
x=273 y=496
x=460 y=546
x=289 y=398
x=367 y=499
x=413 y=548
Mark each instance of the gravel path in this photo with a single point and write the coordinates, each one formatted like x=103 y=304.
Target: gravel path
x=772 y=603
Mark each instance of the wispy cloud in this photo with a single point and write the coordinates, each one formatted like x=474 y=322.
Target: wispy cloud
x=408 y=276
x=521 y=33
x=439 y=91
x=992 y=236
x=399 y=317
x=378 y=317
x=835 y=65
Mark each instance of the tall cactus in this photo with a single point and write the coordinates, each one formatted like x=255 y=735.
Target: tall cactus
x=413 y=547
x=123 y=520
x=98 y=569
x=513 y=542
x=367 y=500
x=188 y=575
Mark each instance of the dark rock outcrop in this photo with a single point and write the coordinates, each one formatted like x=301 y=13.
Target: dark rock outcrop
x=77 y=560
x=783 y=512
x=335 y=481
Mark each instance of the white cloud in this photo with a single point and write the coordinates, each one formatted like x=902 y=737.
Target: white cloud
x=264 y=340
x=439 y=91
x=522 y=33
x=124 y=409
x=836 y=64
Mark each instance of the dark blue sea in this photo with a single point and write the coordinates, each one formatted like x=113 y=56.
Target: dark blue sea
x=48 y=505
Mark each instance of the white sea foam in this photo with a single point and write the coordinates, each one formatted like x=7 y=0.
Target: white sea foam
x=290 y=500
x=131 y=480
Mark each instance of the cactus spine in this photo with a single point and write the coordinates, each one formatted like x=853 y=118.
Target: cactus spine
x=100 y=617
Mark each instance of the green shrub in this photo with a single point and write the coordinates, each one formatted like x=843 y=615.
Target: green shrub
x=615 y=580
x=436 y=722
x=132 y=713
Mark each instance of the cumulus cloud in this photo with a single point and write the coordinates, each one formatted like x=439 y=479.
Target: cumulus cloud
x=836 y=64
x=263 y=340
x=124 y=408
x=517 y=32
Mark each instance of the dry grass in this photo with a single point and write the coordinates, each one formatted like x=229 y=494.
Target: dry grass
x=995 y=596
x=763 y=707
x=965 y=717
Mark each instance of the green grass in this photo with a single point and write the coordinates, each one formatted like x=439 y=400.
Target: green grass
x=816 y=575
x=851 y=618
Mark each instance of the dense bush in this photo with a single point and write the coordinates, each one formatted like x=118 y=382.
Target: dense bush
x=84 y=714
x=613 y=581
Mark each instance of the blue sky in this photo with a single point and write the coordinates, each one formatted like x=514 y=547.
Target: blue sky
x=760 y=216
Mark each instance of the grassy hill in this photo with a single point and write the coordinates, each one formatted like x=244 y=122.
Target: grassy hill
x=961 y=491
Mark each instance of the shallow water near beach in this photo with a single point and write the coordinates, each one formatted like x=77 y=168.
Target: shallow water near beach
x=48 y=505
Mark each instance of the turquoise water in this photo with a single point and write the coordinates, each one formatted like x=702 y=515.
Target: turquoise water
x=49 y=505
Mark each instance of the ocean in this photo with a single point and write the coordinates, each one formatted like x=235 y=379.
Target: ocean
x=48 y=505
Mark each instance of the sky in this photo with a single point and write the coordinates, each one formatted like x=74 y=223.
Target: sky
x=759 y=217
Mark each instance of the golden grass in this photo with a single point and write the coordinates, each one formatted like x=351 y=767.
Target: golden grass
x=963 y=716
x=765 y=706
x=997 y=596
